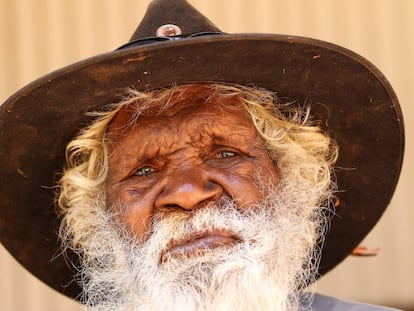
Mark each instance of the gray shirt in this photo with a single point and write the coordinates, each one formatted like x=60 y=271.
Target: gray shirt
x=324 y=303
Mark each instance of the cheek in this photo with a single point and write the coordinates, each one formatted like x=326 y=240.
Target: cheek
x=138 y=221
x=245 y=191
x=251 y=185
x=135 y=213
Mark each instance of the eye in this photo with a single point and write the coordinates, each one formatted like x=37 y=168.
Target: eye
x=144 y=171
x=227 y=154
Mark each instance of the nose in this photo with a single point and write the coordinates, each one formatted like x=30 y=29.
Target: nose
x=187 y=188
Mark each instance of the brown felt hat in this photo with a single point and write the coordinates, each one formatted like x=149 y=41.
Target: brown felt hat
x=351 y=97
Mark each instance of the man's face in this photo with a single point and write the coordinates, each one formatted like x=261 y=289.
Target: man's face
x=210 y=222
x=182 y=158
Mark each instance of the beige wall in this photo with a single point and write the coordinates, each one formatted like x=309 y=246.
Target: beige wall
x=37 y=36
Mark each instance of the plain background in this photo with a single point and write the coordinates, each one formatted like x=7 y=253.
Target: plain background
x=38 y=36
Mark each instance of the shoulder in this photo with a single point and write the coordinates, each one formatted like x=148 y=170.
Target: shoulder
x=323 y=303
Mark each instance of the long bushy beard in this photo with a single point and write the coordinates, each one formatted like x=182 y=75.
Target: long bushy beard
x=275 y=258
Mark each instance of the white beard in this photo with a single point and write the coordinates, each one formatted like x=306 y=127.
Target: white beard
x=267 y=270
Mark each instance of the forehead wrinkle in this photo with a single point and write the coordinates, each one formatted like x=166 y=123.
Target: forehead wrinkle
x=160 y=134
x=154 y=140
x=210 y=128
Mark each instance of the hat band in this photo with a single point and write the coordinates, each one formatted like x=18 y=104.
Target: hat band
x=149 y=40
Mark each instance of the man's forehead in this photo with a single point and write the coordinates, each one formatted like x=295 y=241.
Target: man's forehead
x=176 y=104
x=187 y=130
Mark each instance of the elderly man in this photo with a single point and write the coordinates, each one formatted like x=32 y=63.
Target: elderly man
x=198 y=197
x=206 y=185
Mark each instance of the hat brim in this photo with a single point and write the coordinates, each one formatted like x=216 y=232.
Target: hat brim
x=351 y=98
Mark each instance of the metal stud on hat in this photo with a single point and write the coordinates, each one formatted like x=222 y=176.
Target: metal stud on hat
x=168 y=30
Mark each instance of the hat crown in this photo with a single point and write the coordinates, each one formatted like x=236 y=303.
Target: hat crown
x=176 y=12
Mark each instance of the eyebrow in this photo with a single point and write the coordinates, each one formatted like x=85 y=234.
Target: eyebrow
x=235 y=136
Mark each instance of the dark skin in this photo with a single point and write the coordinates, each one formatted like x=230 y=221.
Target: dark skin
x=192 y=153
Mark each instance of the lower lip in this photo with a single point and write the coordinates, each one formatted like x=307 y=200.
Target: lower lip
x=196 y=246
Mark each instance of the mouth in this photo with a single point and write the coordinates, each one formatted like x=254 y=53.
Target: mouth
x=198 y=243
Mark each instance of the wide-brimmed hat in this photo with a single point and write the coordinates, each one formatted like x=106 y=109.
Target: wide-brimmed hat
x=353 y=100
